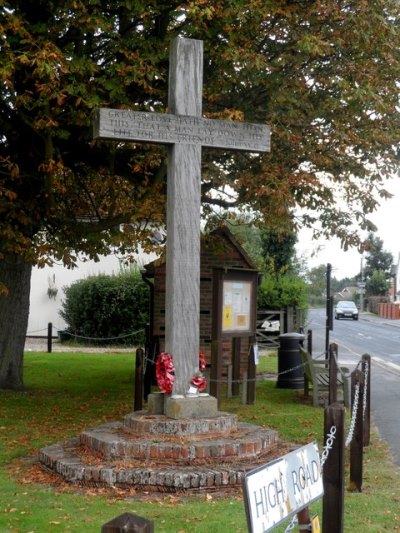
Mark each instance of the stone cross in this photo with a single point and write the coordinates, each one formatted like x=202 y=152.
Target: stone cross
x=185 y=131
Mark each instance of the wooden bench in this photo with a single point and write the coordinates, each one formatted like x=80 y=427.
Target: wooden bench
x=316 y=375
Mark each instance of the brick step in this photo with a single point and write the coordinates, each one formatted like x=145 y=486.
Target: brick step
x=112 y=442
x=65 y=459
x=160 y=453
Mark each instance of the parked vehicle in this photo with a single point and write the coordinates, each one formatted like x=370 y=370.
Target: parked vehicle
x=346 y=309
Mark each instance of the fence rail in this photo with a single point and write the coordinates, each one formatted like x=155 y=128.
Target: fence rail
x=273 y=322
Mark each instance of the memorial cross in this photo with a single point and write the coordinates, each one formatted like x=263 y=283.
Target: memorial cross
x=185 y=131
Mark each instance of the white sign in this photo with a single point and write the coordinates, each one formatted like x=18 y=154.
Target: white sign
x=282 y=488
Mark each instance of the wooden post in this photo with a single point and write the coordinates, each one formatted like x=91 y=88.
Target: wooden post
x=289 y=319
x=244 y=388
x=229 y=392
x=309 y=349
x=333 y=475
x=251 y=374
x=356 y=445
x=128 y=523
x=236 y=347
x=309 y=341
x=304 y=518
x=216 y=368
x=147 y=348
x=333 y=372
x=138 y=402
x=151 y=354
x=49 y=337
x=366 y=368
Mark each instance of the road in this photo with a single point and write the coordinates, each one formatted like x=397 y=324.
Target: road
x=379 y=338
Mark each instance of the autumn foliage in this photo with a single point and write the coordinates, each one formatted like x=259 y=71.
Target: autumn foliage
x=322 y=74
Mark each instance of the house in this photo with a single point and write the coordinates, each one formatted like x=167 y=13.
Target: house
x=347 y=293
x=47 y=286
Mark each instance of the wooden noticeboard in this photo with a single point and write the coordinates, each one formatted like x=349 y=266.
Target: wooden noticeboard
x=234 y=316
x=236 y=306
x=235 y=303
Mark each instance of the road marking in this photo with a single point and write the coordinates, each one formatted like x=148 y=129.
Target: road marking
x=364 y=336
x=386 y=364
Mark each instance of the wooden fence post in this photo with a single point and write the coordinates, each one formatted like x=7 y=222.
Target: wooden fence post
x=128 y=523
x=216 y=369
x=251 y=374
x=309 y=349
x=309 y=341
x=138 y=401
x=303 y=518
x=366 y=368
x=236 y=347
x=356 y=445
x=333 y=372
x=148 y=373
x=244 y=387
x=333 y=475
x=229 y=384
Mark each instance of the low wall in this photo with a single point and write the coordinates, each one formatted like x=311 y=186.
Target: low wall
x=389 y=310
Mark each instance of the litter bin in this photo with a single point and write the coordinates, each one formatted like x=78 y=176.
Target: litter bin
x=289 y=357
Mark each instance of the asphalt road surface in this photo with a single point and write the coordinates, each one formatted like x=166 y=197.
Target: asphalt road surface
x=380 y=338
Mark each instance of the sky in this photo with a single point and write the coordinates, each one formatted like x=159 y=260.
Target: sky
x=348 y=264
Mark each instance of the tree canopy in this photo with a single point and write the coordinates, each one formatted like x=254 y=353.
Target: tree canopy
x=323 y=75
x=377 y=284
x=377 y=259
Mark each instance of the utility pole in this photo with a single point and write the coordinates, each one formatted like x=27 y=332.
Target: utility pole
x=361 y=285
x=329 y=310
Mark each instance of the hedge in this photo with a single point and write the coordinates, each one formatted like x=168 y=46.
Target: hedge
x=113 y=309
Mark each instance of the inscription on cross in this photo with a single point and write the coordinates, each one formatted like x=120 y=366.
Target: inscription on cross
x=185 y=131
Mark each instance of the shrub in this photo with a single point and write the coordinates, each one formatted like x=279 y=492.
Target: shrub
x=281 y=290
x=105 y=307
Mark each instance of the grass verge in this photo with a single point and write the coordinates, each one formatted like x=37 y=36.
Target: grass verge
x=67 y=392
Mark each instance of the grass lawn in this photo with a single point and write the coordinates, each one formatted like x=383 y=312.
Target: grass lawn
x=67 y=392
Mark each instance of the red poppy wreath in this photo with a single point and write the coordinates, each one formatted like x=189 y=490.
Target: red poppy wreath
x=165 y=372
x=199 y=380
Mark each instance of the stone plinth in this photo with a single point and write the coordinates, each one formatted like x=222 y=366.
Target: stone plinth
x=190 y=407
x=142 y=423
x=155 y=403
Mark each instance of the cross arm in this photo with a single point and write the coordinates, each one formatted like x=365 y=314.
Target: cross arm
x=165 y=128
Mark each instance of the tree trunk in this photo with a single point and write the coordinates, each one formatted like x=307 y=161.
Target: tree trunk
x=15 y=274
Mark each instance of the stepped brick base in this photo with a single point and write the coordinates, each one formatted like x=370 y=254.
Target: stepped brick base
x=155 y=452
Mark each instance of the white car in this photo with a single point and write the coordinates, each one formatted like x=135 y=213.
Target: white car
x=346 y=309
